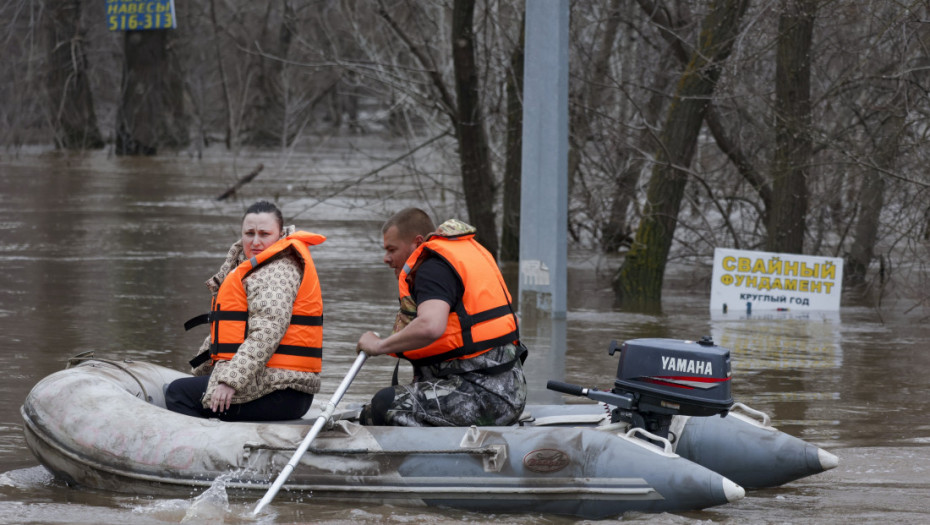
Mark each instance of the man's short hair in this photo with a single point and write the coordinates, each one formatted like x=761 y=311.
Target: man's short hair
x=410 y=222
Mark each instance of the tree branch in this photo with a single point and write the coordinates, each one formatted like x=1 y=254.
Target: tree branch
x=445 y=97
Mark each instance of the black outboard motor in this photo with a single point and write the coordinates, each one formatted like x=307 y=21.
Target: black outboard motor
x=661 y=378
x=667 y=377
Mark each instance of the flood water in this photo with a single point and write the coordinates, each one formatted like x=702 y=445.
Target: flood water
x=109 y=254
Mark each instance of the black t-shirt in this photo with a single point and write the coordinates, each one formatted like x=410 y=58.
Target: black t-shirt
x=435 y=279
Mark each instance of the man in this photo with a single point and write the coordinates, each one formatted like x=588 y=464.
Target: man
x=456 y=325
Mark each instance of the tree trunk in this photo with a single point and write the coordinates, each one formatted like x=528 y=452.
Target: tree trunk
x=265 y=112
x=871 y=196
x=474 y=157
x=151 y=111
x=727 y=143
x=224 y=80
x=72 y=103
x=872 y=192
x=510 y=235
x=638 y=283
x=793 y=148
x=615 y=230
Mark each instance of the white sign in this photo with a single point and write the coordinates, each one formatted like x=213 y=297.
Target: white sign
x=534 y=273
x=747 y=281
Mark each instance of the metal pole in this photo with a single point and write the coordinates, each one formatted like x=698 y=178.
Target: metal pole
x=544 y=195
x=544 y=178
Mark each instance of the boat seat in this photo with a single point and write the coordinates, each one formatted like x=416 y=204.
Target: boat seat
x=349 y=413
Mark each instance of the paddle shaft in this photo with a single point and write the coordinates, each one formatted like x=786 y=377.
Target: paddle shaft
x=305 y=444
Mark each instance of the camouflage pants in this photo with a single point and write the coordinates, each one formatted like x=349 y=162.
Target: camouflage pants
x=461 y=399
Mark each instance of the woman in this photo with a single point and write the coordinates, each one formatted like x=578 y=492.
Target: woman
x=263 y=357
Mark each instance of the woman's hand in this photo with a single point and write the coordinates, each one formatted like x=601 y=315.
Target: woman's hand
x=222 y=398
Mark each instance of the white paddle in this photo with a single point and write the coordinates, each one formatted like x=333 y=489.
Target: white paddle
x=305 y=444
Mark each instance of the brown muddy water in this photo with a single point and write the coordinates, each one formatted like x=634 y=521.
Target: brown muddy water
x=109 y=254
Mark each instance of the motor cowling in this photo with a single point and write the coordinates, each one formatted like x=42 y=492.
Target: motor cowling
x=667 y=377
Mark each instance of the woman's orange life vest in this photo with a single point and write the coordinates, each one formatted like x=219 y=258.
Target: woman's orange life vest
x=483 y=319
x=301 y=348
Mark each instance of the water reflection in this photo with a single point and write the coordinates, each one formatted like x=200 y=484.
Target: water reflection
x=546 y=339
x=787 y=340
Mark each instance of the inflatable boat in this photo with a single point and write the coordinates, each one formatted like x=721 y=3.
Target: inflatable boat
x=102 y=424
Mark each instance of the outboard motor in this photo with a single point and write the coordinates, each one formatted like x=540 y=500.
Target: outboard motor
x=661 y=378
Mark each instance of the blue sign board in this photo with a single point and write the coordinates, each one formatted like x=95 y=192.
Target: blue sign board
x=139 y=15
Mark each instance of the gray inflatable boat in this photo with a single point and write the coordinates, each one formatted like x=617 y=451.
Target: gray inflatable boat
x=679 y=391
x=102 y=424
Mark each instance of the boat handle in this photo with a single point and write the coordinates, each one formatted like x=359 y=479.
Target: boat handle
x=650 y=435
x=766 y=420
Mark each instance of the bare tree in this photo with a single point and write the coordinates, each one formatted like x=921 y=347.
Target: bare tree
x=591 y=100
x=590 y=96
x=638 y=283
x=286 y=73
x=793 y=147
x=71 y=102
x=889 y=120
x=281 y=99
x=151 y=113
x=228 y=132
x=477 y=177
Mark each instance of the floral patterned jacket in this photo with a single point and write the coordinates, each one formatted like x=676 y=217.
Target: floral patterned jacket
x=271 y=290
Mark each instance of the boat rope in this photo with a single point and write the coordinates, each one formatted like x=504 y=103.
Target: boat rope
x=88 y=356
x=482 y=451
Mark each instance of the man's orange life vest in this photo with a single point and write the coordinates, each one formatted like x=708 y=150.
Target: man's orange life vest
x=301 y=348
x=483 y=319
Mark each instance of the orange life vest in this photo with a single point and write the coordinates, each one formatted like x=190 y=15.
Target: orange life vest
x=301 y=348
x=483 y=319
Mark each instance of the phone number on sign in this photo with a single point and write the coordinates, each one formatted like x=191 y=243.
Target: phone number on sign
x=133 y=22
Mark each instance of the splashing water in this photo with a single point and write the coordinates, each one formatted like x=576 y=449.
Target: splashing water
x=212 y=506
x=27 y=477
